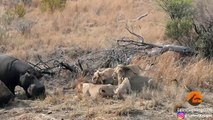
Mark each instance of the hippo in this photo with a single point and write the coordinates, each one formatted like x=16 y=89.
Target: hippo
x=15 y=72
x=5 y=94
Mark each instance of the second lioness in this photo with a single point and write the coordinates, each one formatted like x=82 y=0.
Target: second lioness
x=94 y=90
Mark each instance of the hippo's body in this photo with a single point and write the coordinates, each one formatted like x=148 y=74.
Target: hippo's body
x=15 y=72
x=5 y=94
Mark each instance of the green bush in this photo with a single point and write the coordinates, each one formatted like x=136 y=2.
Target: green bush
x=52 y=5
x=7 y=17
x=194 y=30
x=177 y=9
x=20 y=10
x=204 y=44
x=179 y=28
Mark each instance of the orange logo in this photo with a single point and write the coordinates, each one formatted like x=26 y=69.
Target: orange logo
x=194 y=98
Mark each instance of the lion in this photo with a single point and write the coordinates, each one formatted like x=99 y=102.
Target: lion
x=94 y=90
x=135 y=68
x=103 y=76
x=123 y=88
x=132 y=72
x=122 y=71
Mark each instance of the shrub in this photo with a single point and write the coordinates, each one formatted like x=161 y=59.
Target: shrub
x=7 y=17
x=27 y=2
x=204 y=43
x=179 y=28
x=203 y=26
x=20 y=10
x=52 y=5
x=177 y=9
x=24 y=26
x=3 y=36
x=194 y=30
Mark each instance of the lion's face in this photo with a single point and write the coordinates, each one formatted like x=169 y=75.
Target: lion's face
x=118 y=71
x=97 y=78
x=106 y=91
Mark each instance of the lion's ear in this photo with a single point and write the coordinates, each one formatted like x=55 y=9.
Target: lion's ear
x=101 y=90
x=102 y=82
x=116 y=69
x=98 y=73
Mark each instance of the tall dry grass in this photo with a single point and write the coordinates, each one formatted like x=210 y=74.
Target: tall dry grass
x=90 y=24
x=191 y=71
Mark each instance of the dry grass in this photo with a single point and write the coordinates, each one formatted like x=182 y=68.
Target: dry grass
x=89 y=24
x=192 y=71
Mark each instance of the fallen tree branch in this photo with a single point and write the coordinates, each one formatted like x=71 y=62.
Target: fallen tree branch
x=160 y=48
x=140 y=44
x=68 y=67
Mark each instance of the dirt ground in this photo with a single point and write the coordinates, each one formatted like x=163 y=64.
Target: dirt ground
x=61 y=103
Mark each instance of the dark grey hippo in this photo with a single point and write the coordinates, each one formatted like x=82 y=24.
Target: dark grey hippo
x=15 y=72
x=5 y=94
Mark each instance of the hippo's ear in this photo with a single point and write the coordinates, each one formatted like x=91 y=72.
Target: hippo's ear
x=24 y=78
x=28 y=75
x=28 y=72
x=37 y=74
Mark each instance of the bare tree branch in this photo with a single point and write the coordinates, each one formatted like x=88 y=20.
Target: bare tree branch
x=138 y=36
x=142 y=16
x=161 y=48
x=132 y=42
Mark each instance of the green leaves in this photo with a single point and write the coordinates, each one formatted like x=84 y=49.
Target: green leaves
x=52 y=5
x=186 y=29
x=177 y=9
x=20 y=10
x=178 y=28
